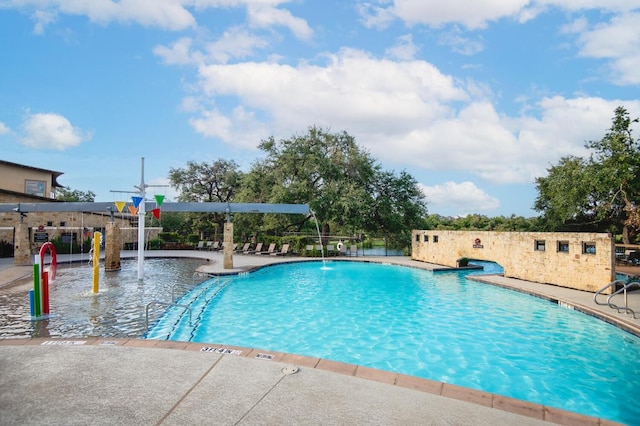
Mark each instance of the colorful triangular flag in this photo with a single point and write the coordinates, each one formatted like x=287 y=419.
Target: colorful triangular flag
x=159 y=199
x=133 y=210
x=120 y=205
x=136 y=201
x=156 y=213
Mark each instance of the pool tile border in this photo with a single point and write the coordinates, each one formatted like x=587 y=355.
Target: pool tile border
x=473 y=396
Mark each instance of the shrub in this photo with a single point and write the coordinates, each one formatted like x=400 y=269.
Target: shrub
x=169 y=237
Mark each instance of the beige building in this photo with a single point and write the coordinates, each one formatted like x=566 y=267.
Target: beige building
x=25 y=184
x=583 y=261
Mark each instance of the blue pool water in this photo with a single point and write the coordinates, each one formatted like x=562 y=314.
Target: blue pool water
x=432 y=325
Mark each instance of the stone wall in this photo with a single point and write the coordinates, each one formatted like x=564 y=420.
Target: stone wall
x=582 y=261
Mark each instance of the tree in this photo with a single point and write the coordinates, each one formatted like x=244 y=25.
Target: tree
x=343 y=185
x=217 y=182
x=600 y=192
x=74 y=195
x=327 y=171
x=398 y=207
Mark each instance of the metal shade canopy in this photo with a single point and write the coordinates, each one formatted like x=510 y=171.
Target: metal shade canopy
x=98 y=207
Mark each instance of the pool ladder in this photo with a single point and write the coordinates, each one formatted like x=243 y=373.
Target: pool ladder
x=623 y=289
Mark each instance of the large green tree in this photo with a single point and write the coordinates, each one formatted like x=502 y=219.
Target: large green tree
x=344 y=186
x=600 y=192
x=217 y=182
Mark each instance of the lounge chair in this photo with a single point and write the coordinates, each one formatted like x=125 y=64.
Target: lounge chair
x=353 y=251
x=272 y=248
x=200 y=245
x=331 y=250
x=308 y=250
x=209 y=245
x=342 y=249
x=215 y=246
x=282 y=252
x=254 y=251
x=244 y=248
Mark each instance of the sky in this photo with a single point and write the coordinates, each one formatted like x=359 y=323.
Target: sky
x=475 y=99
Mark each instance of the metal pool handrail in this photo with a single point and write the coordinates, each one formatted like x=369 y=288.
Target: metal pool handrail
x=626 y=302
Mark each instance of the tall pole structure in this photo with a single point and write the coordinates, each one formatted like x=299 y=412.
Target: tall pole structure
x=141 y=214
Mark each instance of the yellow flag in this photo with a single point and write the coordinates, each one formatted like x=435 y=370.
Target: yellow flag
x=120 y=205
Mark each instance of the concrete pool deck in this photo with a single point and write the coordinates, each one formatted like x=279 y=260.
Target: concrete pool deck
x=137 y=381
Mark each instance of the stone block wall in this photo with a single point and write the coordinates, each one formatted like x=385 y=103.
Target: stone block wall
x=582 y=261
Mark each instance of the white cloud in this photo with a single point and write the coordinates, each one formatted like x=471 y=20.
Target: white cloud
x=475 y=14
x=240 y=128
x=472 y=15
x=264 y=16
x=51 y=131
x=42 y=19
x=406 y=113
x=463 y=198
x=404 y=49
x=235 y=43
x=459 y=43
x=576 y=26
x=373 y=16
x=166 y=14
x=178 y=53
x=4 y=129
x=619 y=41
x=578 y=5
x=173 y=15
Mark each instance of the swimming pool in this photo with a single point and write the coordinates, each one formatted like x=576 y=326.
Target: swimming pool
x=117 y=310
x=432 y=325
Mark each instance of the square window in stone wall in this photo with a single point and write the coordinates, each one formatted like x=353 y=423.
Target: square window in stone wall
x=589 y=247
x=539 y=245
x=426 y=238
x=563 y=246
x=417 y=238
x=435 y=238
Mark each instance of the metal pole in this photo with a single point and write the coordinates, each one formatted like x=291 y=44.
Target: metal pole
x=141 y=214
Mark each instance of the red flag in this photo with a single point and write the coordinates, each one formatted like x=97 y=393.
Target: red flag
x=156 y=213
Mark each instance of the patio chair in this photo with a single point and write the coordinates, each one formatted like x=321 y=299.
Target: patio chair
x=308 y=250
x=255 y=250
x=215 y=246
x=331 y=250
x=272 y=248
x=244 y=248
x=282 y=252
x=342 y=249
x=353 y=251
x=200 y=245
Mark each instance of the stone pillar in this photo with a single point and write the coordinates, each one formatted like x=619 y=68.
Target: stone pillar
x=22 y=245
x=228 y=246
x=113 y=241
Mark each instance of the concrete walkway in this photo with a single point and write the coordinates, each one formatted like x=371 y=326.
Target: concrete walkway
x=146 y=382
